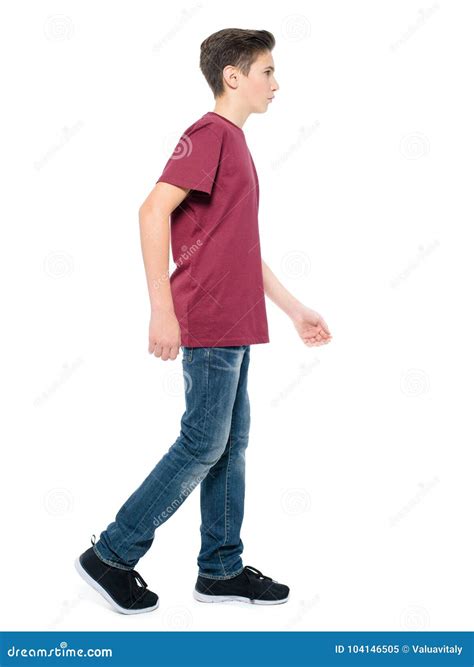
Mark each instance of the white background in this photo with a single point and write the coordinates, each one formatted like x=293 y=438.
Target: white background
x=359 y=468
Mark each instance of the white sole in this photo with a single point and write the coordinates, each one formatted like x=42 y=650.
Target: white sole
x=92 y=582
x=201 y=597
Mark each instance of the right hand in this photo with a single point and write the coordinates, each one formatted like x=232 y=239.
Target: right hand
x=164 y=338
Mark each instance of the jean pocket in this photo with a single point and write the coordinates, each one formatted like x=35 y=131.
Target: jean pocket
x=187 y=353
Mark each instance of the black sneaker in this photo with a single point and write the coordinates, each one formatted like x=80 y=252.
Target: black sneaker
x=248 y=586
x=118 y=586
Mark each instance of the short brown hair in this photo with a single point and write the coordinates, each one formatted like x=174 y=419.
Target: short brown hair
x=232 y=46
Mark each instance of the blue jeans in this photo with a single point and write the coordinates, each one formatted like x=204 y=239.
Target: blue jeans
x=210 y=451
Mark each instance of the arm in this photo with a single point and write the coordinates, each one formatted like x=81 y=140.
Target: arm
x=279 y=294
x=164 y=332
x=309 y=324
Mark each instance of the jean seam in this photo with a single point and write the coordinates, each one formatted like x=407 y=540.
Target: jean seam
x=206 y=367
x=226 y=518
x=109 y=562
x=225 y=506
x=226 y=500
x=228 y=576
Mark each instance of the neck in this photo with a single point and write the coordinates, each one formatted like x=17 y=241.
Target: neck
x=237 y=116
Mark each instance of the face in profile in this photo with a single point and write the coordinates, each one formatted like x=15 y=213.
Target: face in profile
x=259 y=87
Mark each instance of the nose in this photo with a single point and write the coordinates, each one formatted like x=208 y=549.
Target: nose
x=275 y=85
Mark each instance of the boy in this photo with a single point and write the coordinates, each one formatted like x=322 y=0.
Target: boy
x=213 y=309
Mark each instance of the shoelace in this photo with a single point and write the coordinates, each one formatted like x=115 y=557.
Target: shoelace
x=136 y=591
x=133 y=575
x=248 y=569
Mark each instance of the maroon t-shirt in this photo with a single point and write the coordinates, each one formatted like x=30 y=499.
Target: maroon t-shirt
x=217 y=286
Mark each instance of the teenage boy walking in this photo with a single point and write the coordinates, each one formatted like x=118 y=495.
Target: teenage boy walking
x=213 y=309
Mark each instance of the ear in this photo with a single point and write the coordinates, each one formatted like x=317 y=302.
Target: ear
x=230 y=75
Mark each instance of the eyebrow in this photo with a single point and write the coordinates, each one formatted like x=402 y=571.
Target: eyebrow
x=270 y=67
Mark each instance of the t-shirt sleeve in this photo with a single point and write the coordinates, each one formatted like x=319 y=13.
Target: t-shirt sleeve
x=195 y=159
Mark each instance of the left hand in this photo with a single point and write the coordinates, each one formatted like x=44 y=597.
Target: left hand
x=311 y=327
